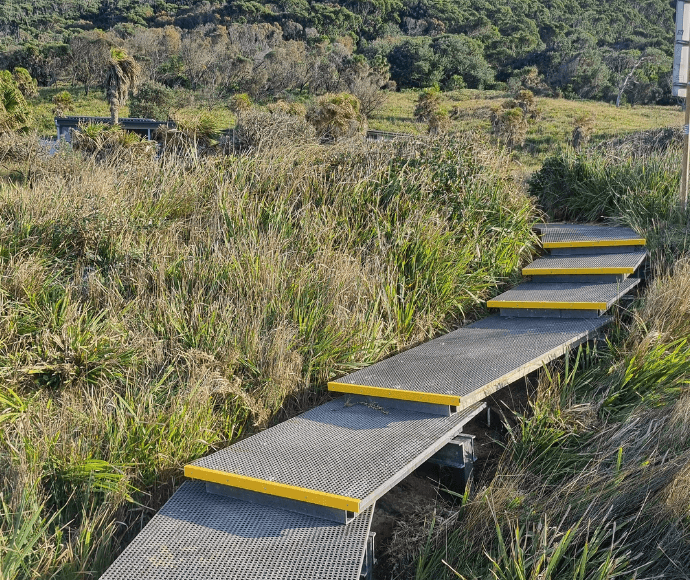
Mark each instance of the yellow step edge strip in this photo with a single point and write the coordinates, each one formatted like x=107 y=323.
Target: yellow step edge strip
x=322 y=498
x=537 y=304
x=545 y=271
x=399 y=394
x=595 y=243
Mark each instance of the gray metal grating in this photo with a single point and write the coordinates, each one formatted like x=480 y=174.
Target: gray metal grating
x=566 y=292
x=494 y=349
x=559 y=233
x=353 y=450
x=201 y=536
x=617 y=261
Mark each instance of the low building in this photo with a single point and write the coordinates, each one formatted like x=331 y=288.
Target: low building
x=144 y=127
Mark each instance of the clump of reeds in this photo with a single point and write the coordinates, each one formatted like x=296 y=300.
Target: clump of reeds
x=281 y=125
x=112 y=143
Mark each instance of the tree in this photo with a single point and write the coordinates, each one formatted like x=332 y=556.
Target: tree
x=463 y=57
x=90 y=53
x=153 y=101
x=414 y=64
x=121 y=76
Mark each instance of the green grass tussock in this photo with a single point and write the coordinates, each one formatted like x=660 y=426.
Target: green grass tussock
x=154 y=309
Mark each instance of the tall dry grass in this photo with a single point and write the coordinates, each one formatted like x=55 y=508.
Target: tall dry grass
x=153 y=310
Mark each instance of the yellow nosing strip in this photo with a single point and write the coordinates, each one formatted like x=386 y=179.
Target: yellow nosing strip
x=399 y=394
x=544 y=271
x=550 y=305
x=595 y=243
x=322 y=498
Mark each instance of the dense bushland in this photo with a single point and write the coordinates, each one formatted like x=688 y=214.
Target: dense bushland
x=154 y=309
x=578 y=48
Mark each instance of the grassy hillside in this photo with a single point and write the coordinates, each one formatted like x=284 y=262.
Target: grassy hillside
x=553 y=127
x=472 y=110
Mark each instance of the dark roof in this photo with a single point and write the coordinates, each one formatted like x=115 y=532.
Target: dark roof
x=126 y=121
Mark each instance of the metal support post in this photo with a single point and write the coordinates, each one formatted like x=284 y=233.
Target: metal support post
x=686 y=158
x=369 y=559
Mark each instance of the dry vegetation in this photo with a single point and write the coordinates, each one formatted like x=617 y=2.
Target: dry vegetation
x=152 y=309
x=594 y=479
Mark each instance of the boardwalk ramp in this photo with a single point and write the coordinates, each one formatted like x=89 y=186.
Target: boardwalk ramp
x=297 y=500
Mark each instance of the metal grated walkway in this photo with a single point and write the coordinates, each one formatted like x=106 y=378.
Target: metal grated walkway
x=296 y=501
x=472 y=362
x=198 y=535
x=345 y=454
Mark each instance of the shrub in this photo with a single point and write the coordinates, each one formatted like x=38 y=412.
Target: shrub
x=112 y=143
x=279 y=126
x=15 y=112
x=62 y=103
x=153 y=101
x=336 y=116
x=594 y=185
x=583 y=129
x=240 y=102
x=509 y=125
x=26 y=85
x=191 y=135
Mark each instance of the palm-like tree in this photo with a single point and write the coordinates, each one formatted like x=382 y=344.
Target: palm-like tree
x=121 y=76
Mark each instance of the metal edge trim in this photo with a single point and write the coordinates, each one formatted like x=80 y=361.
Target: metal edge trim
x=547 y=305
x=595 y=243
x=527 y=271
x=400 y=394
x=273 y=488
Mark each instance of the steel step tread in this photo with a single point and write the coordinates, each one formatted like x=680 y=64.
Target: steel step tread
x=564 y=295
x=472 y=362
x=343 y=454
x=568 y=235
x=624 y=263
x=202 y=535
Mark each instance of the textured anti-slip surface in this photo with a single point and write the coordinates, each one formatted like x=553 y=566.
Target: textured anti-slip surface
x=563 y=295
x=352 y=450
x=487 y=352
x=201 y=536
x=624 y=263
x=565 y=233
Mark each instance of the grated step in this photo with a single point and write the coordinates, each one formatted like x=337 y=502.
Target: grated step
x=586 y=236
x=198 y=535
x=620 y=265
x=570 y=299
x=472 y=362
x=344 y=454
